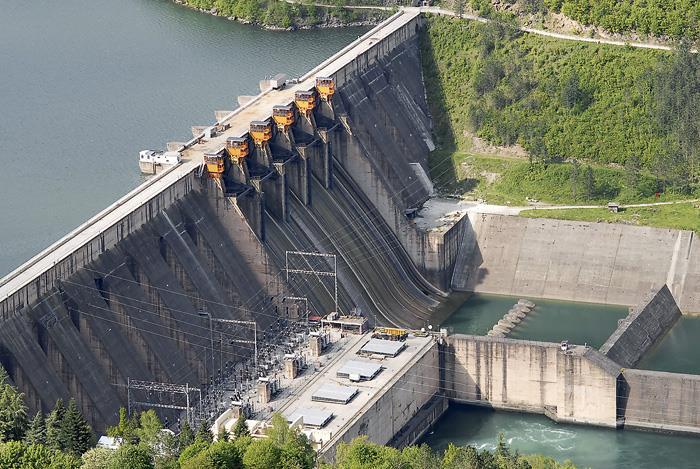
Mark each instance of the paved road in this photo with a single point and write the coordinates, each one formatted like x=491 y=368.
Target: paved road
x=507 y=210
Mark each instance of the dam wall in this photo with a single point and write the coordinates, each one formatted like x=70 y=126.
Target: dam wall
x=99 y=234
x=129 y=294
x=661 y=401
x=577 y=261
x=645 y=325
x=577 y=385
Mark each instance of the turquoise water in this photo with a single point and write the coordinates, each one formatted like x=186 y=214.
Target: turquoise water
x=678 y=352
x=585 y=446
x=549 y=321
x=85 y=85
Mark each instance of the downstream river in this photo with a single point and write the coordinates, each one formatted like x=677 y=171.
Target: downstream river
x=85 y=85
x=593 y=447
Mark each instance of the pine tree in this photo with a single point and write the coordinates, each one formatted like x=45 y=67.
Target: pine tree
x=54 y=422
x=37 y=430
x=240 y=428
x=186 y=436
x=223 y=434
x=76 y=432
x=203 y=433
x=125 y=429
x=13 y=411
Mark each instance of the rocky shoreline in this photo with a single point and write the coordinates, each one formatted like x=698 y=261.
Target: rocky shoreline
x=334 y=24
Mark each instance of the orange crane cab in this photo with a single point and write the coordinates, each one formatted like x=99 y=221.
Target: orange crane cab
x=215 y=163
x=283 y=116
x=325 y=87
x=237 y=147
x=261 y=131
x=305 y=101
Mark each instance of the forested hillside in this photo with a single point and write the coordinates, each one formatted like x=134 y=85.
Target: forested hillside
x=565 y=101
x=671 y=18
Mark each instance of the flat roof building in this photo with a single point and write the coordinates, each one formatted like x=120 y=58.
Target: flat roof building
x=335 y=394
x=361 y=371
x=312 y=418
x=389 y=348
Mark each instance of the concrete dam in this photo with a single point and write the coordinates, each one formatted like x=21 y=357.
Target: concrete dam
x=307 y=196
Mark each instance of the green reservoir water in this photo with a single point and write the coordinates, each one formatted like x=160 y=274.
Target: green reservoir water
x=549 y=321
x=585 y=446
x=85 y=85
x=678 y=352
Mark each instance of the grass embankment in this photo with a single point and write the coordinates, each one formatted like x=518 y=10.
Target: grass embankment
x=515 y=181
x=280 y=14
x=586 y=116
x=682 y=216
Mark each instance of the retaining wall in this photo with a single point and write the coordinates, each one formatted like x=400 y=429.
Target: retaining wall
x=661 y=401
x=578 y=385
x=578 y=261
x=642 y=328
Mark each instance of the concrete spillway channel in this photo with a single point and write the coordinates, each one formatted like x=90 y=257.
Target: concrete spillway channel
x=512 y=318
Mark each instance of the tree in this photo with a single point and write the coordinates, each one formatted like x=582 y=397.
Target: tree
x=54 y=422
x=125 y=429
x=590 y=182
x=192 y=451
x=574 y=178
x=261 y=454
x=203 y=432
x=240 y=428
x=15 y=454
x=149 y=428
x=294 y=447
x=186 y=436
x=36 y=434
x=97 y=458
x=571 y=91
x=220 y=455
x=76 y=432
x=13 y=411
x=222 y=435
x=632 y=170
x=130 y=456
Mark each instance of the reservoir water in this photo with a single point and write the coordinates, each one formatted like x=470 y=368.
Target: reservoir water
x=85 y=85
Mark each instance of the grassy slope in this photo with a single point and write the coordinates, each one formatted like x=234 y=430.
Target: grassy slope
x=683 y=216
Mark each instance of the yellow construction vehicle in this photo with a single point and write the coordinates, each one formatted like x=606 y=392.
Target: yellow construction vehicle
x=215 y=163
x=283 y=116
x=305 y=101
x=261 y=131
x=390 y=333
x=325 y=87
x=237 y=147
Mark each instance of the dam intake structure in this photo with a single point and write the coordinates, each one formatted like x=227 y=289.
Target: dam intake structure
x=335 y=163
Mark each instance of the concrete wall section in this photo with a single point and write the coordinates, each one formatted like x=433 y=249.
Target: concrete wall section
x=662 y=401
x=642 y=328
x=578 y=385
x=594 y=262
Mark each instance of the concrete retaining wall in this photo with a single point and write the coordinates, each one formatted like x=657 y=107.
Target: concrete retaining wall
x=405 y=395
x=568 y=260
x=574 y=386
x=642 y=328
x=661 y=401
